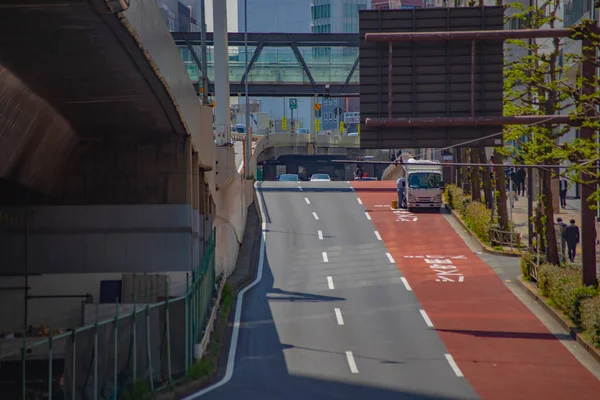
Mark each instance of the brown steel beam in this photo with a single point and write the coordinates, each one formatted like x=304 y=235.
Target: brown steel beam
x=468 y=35
x=390 y=85
x=473 y=47
x=468 y=121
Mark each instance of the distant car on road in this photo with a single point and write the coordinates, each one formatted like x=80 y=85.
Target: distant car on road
x=288 y=178
x=302 y=131
x=352 y=133
x=320 y=178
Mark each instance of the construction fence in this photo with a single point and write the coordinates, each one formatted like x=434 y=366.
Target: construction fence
x=147 y=341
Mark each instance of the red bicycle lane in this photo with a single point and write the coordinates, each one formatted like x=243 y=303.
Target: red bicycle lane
x=500 y=346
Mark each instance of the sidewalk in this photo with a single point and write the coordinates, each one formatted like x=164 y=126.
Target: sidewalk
x=519 y=218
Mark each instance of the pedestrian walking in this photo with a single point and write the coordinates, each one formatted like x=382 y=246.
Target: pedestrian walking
x=572 y=239
x=563 y=192
x=521 y=177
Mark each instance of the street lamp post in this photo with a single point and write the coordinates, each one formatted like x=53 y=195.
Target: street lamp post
x=248 y=144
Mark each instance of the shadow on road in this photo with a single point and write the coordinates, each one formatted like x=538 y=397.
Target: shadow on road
x=510 y=335
x=261 y=366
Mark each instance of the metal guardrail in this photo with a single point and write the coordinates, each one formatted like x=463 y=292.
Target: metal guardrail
x=505 y=238
x=150 y=344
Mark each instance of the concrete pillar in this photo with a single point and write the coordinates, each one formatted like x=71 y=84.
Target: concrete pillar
x=196 y=218
x=221 y=60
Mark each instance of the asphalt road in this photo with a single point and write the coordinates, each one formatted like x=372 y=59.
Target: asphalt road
x=331 y=317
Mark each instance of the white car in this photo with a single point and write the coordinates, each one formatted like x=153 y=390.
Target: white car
x=320 y=178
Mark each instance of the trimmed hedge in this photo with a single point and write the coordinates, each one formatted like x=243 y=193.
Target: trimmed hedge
x=581 y=304
x=590 y=318
x=476 y=215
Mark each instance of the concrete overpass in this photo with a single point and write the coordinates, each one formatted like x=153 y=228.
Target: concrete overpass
x=307 y=154
x=107 y=158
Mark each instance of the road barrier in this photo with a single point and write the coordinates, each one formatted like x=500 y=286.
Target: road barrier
x=142 y=348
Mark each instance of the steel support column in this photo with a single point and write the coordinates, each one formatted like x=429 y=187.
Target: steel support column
x=303 y=63
x=253 y=59
x=207 y=85
x=350 y=74
x=221 y=56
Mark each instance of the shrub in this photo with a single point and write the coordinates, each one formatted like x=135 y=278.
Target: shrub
x=528 y=260
x=590 y=320
x=563 y=286
x=456 y=198
x=478 y=219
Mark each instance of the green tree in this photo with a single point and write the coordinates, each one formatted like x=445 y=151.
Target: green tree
x=536 y=84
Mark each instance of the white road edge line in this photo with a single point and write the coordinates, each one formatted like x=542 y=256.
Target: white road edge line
x=351 y=362
x=359 y=200
x=389 y=256
x=241 y=167
x=377 y=235
x=338 y=316
x=238 y=313
x=320 y=235
x=325 y=259
x=330 y=282
x=426 y=318
x=368 y=216
x=315 y=215
x=406 y=285
x=454 y=366
x=307 y=200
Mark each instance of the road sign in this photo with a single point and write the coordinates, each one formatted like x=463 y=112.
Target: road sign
x=283 y=123
x=293 y=103
x=352 y=118
x=317 y=124
x=358 y=129
x=317 y=107
x=341 y=126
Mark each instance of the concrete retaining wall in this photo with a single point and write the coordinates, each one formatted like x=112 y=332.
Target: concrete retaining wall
x=90 y=239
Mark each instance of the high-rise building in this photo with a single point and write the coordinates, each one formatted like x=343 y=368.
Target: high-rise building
x=336 y=16
x=179 y=15
x=290 y=16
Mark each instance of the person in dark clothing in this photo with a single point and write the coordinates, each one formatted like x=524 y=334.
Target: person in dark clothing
x=571 y=235
x=521 y=176
x=563 y=192
x=563 y=244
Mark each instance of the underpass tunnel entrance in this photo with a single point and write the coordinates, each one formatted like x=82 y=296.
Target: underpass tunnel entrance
x=306 y=166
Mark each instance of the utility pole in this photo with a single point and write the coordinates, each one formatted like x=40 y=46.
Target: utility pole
x=248 y=141
x=204 y=60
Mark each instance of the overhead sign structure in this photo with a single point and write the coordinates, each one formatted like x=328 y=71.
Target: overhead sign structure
x=283 y=123
x=293 y=103
x=317 y=124
x=412 y=81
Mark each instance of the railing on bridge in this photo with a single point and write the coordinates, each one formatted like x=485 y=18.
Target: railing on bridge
x=281 y=59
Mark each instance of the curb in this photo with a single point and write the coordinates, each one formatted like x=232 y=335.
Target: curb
x=485 y=248
x=574 y=331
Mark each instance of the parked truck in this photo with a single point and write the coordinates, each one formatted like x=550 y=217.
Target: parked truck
x=424 y=187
